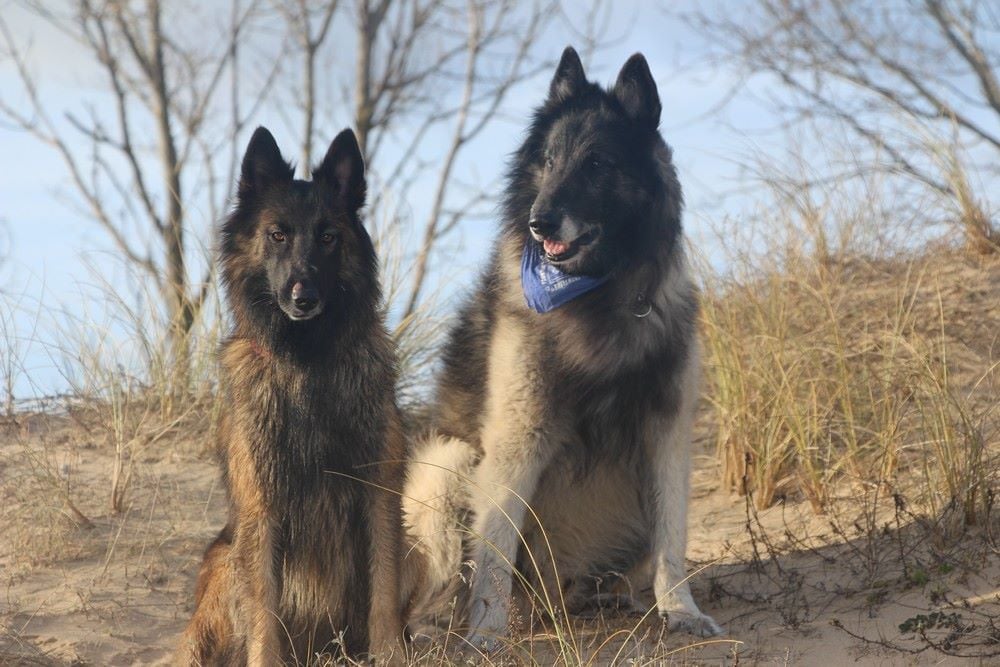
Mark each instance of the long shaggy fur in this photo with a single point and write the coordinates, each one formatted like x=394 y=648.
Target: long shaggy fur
x=310 y=441
x=582 y=413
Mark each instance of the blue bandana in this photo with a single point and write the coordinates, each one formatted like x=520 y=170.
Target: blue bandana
x=546 y=287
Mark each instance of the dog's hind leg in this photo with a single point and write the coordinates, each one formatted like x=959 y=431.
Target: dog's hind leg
x=669 y=449
x=596 y=527
x=209 y=638
x=435 y=511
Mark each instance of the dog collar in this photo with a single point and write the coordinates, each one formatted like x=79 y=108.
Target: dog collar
x=545 y=286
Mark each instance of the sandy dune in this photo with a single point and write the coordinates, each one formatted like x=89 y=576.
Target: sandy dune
x=119 y=590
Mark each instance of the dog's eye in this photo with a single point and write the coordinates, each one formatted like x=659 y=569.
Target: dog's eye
x=278 y=236
x=597 y=162
x=326 y=238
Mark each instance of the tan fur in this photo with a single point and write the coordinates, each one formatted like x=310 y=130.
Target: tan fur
x=438 y=477
x=211 y=624
x=239 y=602
x=578 y=415
x=385 y=619
x=519 y=475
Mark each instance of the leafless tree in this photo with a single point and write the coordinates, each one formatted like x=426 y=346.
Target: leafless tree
x=428 y=76
x=485 y=78
x=917 y=81
x=131 y=165
x=156 y=152
x=308 y=25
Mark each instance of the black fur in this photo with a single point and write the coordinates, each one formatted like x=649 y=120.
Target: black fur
x=346 y=275
x=633 y=200
x=582 y=412
x=302 y=210
x=309 y=417
x=590 y=154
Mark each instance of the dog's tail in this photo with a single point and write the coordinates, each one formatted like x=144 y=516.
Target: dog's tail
x=435 y=516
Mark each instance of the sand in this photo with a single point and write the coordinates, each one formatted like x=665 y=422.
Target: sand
x=93 y=586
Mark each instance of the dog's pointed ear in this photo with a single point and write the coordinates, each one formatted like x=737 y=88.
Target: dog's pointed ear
x=262 y=163
x=569 y=76
x=636 y=90
x=343 y=170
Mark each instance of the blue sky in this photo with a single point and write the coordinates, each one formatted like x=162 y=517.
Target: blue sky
x=54 y=255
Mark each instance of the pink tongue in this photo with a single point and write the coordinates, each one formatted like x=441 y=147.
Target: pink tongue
x=554 y=247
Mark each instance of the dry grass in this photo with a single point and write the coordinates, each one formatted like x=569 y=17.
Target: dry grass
x=851 y=397
x=834 y=358
x=851 y=370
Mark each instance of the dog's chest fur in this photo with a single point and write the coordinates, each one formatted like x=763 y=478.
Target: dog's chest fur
x=305 y=420
x=310 y=430
x=601 y=370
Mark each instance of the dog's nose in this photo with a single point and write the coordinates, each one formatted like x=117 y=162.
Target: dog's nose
x=542 y=224
x=304 y=296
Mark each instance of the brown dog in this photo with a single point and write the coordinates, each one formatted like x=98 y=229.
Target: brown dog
x=310 y=441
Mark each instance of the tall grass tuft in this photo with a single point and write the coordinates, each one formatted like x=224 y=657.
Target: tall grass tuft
x=831 y=368
x=120 y=378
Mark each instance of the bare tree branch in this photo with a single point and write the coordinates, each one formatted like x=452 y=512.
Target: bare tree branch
x=463 y=134
x=153 y=81
x=42 y=128
x=299 y=15
x=970 y=51
x=911 y=80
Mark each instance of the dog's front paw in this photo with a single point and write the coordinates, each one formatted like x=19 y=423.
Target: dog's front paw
x=597 y=605
x=388 y=654
x=485 y=633
x=692 y=622
x=487 y=643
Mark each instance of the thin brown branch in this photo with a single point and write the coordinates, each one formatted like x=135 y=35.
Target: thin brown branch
x=42 y=128
x=970 y=51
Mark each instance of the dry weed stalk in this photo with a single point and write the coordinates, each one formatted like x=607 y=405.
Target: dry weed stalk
x=828 y=367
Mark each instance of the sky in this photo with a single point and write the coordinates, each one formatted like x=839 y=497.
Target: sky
x=55 y=259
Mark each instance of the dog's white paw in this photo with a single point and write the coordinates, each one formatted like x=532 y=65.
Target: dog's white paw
x=488 y=643
x=695 y=623
x=613 y=603
x=484 y=634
